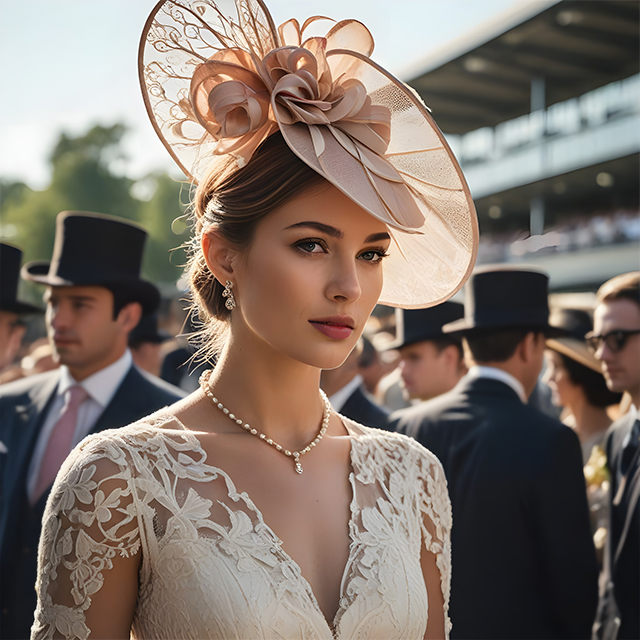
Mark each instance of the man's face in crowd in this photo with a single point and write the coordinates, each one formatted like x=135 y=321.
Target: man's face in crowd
x=11 y=332
x=621 y=368
x=428 y=371
x=82 y=330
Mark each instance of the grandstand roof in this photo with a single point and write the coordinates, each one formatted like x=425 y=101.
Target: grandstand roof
x=484 y=77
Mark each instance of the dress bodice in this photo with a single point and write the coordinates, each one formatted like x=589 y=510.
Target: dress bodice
x=211 y=567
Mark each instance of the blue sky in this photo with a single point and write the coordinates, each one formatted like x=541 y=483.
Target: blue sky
x=67 y=64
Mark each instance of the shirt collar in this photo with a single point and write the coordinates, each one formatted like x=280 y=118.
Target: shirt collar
x=102 y=385
x=494 y=373
x=339 y=398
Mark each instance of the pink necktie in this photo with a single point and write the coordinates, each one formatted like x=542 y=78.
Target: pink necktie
x=60 y=441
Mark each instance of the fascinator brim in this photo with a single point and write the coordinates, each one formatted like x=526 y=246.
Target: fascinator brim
x=415 y=185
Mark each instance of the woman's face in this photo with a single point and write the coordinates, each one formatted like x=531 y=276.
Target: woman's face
x=310 y=278
x=563 y=390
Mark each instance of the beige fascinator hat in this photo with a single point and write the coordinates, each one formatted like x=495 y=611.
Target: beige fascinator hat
x=218 y=78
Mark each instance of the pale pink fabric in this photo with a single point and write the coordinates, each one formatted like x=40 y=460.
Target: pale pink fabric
x=218 y=78
x=60 y=441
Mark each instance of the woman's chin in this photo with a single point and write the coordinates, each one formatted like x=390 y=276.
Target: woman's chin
x=328 y=358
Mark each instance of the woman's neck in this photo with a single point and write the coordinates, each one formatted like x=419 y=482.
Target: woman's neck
x=275 y=394
x=589 y=419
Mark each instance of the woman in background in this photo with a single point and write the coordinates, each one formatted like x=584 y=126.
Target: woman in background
x=576 y=381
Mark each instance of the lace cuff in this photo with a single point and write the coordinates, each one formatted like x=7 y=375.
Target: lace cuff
x=90 y=521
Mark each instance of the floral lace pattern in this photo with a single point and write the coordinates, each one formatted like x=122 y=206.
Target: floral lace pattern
x=213 y=568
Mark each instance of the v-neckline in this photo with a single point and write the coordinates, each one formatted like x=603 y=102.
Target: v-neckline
x=246 y=498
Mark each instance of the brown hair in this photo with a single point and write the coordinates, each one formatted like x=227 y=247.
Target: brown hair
x=233 y=201
x=622 y=287
x=496 y=346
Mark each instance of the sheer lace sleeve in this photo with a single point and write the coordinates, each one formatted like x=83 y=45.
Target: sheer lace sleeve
x=90 y=544
x=435 y=507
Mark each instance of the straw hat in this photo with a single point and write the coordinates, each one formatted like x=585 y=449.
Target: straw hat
x=576 y=323
x=218 y=78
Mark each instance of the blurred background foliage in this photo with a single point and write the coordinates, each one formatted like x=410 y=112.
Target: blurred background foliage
x=87 y=175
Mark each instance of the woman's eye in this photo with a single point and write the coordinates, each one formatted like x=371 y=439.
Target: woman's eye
x=373 y=256
x=310 y=246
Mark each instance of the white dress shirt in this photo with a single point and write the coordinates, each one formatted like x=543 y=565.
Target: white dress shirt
x=339 y=398
x=100 y=387
x=493 y=373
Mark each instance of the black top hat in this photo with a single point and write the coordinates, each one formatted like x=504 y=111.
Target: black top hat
x=95 y=249
x=503 y=298
x=147 y=331
x=417 y=325
x=10 y=258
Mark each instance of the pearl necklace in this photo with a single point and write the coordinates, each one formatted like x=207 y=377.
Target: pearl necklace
x=204 y=384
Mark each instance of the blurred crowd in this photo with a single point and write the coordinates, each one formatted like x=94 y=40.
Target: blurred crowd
x=469 y=381
x=572 y=234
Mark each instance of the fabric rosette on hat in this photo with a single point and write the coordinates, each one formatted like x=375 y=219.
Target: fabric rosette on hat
x=218 y=78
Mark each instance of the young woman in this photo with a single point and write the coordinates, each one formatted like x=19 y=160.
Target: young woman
x=576 y=381
x=250 y=509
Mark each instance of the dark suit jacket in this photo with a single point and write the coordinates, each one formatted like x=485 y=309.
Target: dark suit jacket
x=622 y=562
x=523 y=561
x=360 y=408
x=23 y=409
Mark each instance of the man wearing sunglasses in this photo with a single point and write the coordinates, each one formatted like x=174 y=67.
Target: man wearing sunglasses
x=615 y=341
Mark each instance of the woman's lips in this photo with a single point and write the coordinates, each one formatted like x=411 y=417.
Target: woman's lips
x=334 y=328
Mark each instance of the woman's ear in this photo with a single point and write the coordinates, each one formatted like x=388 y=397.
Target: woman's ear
x=217 y=254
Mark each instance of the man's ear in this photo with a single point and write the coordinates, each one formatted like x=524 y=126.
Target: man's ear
x=217 y=254
x=528 y=347
x=129 y=316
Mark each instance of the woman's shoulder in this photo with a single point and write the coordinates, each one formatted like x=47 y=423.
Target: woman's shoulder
x=147 y=433
x=395 y=444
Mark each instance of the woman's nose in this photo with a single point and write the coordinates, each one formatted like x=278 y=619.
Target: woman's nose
x=345 y=283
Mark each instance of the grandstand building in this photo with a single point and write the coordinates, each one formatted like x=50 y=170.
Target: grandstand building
x=542 y=108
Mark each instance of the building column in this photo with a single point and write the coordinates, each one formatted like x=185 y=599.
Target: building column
x=536 y=216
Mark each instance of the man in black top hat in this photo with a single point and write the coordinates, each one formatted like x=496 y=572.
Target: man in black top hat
x=11 y=309
x=524 y=562
x=431 y=362
x=615 y=341
x=95 y=297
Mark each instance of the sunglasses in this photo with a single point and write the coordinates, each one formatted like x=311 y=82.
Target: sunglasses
x=615 y=339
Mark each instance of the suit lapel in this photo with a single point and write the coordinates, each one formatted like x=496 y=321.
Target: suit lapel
x=29 y=420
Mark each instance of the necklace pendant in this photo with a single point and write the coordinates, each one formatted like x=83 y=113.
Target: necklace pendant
x=298 y=467
x=296 y=458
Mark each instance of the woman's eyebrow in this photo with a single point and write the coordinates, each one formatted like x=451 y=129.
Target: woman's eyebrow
x=336 y=233
x=324 y=228
x=376 y=237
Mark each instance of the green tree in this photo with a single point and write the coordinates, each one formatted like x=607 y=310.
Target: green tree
x=82 y=180
x=164 y=216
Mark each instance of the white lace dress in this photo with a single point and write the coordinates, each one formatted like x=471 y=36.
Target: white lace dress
x=213 y=568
